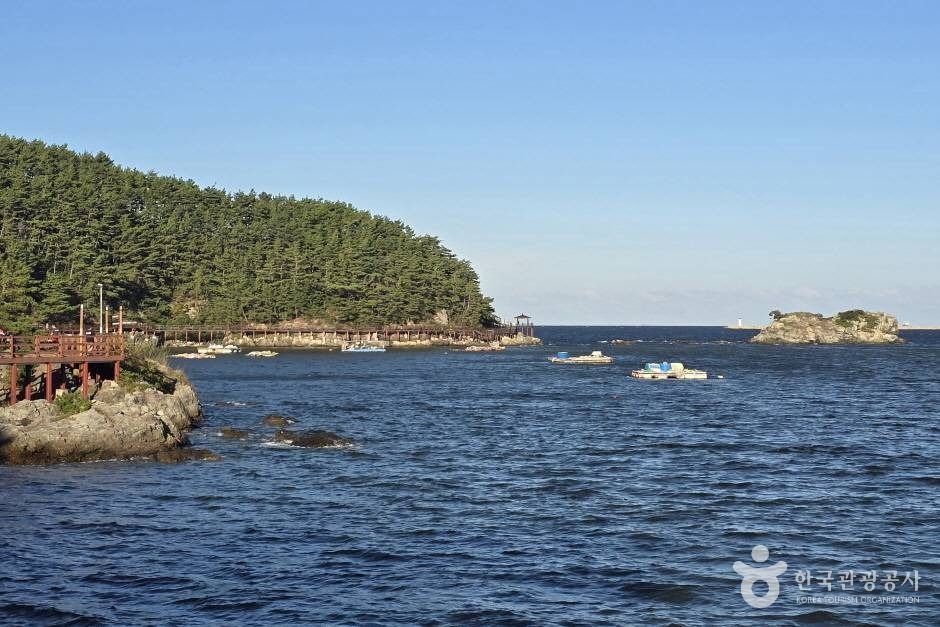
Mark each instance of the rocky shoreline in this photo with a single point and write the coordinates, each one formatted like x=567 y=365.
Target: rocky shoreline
x=848 y=327
x=334 y=340
x=121 y=423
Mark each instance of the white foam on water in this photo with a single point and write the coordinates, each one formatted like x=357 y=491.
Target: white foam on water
x=286 y=444
x=281 y=444
x=350 y=446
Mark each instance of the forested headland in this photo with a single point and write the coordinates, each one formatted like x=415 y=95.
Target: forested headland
x=171 y=251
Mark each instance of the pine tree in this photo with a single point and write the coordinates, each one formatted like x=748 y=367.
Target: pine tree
x=16 y=288
x=58 y=301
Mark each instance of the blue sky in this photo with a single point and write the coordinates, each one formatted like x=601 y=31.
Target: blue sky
x=603 y=162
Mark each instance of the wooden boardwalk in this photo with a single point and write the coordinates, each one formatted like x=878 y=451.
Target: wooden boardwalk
x=62 y=350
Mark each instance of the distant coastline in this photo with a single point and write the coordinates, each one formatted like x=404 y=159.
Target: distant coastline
x=913 y=327
x=729 y=327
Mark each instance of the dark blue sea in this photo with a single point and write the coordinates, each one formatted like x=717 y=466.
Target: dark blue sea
x=499 y=489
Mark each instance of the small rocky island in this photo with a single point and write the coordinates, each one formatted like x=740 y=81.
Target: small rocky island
x=855 y=326
x=146 y=415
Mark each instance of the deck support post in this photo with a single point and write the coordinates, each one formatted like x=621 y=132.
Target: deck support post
x=48 y=383
x=28 y=390
x=117 y=370
x=84 y=370
x=13 y=389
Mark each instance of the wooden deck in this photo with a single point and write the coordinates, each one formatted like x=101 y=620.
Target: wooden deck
x=46 y=350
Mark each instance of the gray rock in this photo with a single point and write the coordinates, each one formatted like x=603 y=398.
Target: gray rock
x=119 y=425
x=231 y=433
x=178 y=455
x=312 y=439
x=276 y=420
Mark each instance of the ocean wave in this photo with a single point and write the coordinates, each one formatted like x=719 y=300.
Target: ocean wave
x=661 y=592
x=34 y=614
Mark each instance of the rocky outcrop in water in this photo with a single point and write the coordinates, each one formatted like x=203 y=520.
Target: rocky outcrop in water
x=231 y=433
x=312 y=439
x=519 y=340
x=120 y=424
x=848 y=327
x=276 y=420
x=185 y=454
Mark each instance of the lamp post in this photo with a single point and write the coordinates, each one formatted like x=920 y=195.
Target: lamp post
x=100 y=308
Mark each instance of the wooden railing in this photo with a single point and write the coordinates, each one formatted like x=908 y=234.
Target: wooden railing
x=61 y=348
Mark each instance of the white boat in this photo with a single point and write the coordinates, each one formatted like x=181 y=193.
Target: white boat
x=218 y=349
x=596 y=357
x=193 y=356
x=667 y=370
x=359 y=347
x=261 y=354
x=493 y=346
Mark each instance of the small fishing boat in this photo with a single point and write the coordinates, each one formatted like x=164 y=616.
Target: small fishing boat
x=218 y=349
x=359 y=347
x=596 y=357
x=193 y=356
x=493 y=346
x=667 y=370
x=261 y=354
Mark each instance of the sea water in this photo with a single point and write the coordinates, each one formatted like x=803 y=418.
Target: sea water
x=497 y=488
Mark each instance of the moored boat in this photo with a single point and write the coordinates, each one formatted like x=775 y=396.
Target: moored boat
x=667 y=370
x=218 y=349
x=359 y=347
x=261 y=354
x=596 y=357
x=493 y=346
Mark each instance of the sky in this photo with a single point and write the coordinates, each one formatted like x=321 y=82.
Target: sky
x=656 y=162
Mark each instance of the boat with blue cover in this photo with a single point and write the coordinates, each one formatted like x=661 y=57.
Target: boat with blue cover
x=596 y=358
x=667 y=370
